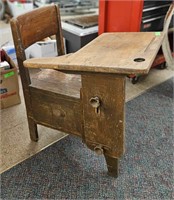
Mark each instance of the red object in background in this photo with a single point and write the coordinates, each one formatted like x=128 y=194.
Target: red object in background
x=2 y=55
x=120 y=16
x=19 y=1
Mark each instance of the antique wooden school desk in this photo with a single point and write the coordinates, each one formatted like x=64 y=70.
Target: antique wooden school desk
x=103 y=65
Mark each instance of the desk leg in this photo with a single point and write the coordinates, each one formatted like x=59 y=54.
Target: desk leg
x=112 y=165
x=103 y=99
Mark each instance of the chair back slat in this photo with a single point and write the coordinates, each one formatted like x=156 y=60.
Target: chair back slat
x=38 y=24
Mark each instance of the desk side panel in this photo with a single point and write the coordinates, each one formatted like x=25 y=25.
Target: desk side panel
x=104 y=127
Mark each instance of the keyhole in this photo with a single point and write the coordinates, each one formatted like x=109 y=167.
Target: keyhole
x=97 y=110
x=95 y=103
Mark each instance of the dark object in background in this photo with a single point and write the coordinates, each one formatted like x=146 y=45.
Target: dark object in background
x=79 y=31
x=153 y=15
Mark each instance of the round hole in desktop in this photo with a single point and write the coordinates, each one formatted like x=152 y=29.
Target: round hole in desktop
x=139 y=59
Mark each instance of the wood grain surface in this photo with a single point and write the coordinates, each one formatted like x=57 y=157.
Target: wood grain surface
x=109 y=53
x=104 y=127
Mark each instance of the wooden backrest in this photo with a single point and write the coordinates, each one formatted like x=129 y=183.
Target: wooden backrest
x=34 y=26
x=37 y=25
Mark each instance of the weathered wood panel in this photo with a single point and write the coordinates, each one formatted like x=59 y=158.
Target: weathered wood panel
x=57 y=82
x=56 y=111
x=104 y=127
x=39 y=24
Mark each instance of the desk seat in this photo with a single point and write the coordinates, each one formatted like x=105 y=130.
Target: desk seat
x=57 y=82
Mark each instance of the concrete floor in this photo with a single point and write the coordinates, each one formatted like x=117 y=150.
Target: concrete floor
x=16 y=145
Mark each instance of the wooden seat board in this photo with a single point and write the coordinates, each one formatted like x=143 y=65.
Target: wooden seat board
x=57 y=82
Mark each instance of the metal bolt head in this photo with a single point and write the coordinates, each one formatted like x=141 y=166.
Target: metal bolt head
x=98 y=150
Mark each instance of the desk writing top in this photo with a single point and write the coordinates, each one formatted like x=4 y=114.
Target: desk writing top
x=122 y=53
